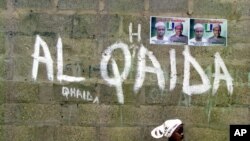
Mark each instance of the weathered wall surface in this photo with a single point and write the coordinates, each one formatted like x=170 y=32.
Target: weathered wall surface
x=37 y=108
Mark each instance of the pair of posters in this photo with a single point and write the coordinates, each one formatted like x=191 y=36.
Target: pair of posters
x=186 y=31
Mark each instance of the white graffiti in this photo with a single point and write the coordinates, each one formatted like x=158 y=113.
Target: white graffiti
x=173 y=75
x=142 y=69
x=49 y=62
x=77 y=93
x=117 y=78
x=40 y=59
x=219 y=64
x=195 y=89
x=60 y=75
x=131 y=34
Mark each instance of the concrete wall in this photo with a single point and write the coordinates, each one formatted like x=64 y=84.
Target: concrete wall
x=45 y=109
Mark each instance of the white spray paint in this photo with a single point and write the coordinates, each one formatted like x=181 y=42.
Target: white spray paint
x=173 y=75
x=96 y=100
x=131 y=34
x=134 y=49
x=220 y=65
x=60 y=75
x=46 y=59
x=142 y=69
x=195 y=89
x=118 y=79
x=77 y=93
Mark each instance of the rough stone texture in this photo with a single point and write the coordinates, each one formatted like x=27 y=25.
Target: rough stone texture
x=3 y=92
x=242 y=7
x=43 y=24
x=164 y=6
x=122 y=5
x=84 y=26
x=18 y=92
x=44 y=94
x=65 y=133
x=37 y=110
x=21 y=70
x=25 y=114
x=33 y=3
x=238 y=31
x=213 y=7
x=78 y=4
x=18 y=133
x=109 y=25
x=120 y=133
x=2 y=69
x=220 y=117
x=206 y=134
x=2 y=41
x=3 y=4
x=141 y=115
x=185 y=114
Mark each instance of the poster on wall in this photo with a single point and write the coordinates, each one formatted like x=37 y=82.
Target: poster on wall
x=185 y=31
x=208 y=32
x=169 y=30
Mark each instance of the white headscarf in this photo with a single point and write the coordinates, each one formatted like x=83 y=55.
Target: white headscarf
x=198 y=25
x=159 y=24
x=166 y=129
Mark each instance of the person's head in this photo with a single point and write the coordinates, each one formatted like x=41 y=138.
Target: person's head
x=178 y=134
x=198 y=30
x=216 y=30
x=172 y=129
x=178 y=29
x=160 y=29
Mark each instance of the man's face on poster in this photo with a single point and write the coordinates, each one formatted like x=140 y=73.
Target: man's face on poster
x=178 y=30
x=217 y=31
x=198 y=33
x=160 y=31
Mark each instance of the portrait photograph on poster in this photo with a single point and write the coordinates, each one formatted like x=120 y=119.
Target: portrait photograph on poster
x=208 y=32
x=186 y=31
x=169 y=30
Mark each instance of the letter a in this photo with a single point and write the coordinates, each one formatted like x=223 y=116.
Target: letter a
x=237 y=132
x=142 y=69
x=218 y=63
x=46 y=59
